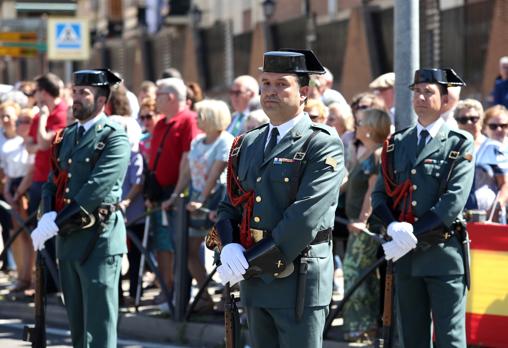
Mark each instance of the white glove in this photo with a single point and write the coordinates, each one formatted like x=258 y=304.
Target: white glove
x=393 y=251
x=402 y=234
x=232 y=257
x=227 y=277
x=46 y=228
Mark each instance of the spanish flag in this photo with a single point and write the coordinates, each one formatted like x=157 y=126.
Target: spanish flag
x=487 y=305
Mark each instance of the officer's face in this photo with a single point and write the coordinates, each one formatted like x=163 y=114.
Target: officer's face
x=282 y=98
x=428 y=101
x=84 y=105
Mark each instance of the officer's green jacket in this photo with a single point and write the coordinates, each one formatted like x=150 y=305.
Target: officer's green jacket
x=293 y=224
x=91 y=184
x=427 y=171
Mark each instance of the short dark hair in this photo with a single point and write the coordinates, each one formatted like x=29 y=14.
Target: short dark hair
x=303 y=79
x=102 y=91
x=50 y=83
x=443 y=89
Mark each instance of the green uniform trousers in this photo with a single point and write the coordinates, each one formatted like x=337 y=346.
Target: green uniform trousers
x=277 y=327
x=440 y=299
x=91 y=300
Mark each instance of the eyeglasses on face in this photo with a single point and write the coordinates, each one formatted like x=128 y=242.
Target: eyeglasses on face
x=235 y=93
x=495 y=126
x=467 y=119
x=145 y=117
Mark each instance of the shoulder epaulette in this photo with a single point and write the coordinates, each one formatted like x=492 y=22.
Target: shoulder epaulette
x=113 y=125
x=258 y=127
x=321 y=127
x=460 y=133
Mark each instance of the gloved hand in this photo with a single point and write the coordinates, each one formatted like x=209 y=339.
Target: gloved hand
x=232 y=256
x=227 y=277
x=46 y=228
x=402 y=234
x=393 y=251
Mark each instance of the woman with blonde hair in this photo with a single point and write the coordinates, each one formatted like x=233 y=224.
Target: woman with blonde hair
x=205 y=170
x=361 y=311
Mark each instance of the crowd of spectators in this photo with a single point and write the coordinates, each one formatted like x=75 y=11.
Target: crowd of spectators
x=180 y=142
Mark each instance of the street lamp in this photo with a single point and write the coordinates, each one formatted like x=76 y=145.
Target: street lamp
x=196 y=15
x=268 y=8
x=268 y=11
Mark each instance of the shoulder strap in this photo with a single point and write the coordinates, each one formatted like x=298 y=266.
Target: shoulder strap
x=300 y=165
x=159 y=149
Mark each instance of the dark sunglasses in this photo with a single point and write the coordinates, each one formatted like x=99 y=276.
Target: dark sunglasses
x=235 y=93
x=495 y=126
x=467 y=119
x=146 y=117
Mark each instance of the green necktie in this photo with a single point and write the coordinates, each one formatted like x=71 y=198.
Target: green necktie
x=272 y=142
x=79 y=134
x=423 y=141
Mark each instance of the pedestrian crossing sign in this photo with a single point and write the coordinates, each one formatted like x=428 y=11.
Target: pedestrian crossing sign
x=68 y=39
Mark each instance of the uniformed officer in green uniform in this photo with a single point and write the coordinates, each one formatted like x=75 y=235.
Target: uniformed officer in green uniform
x=426 y=176
x=282 y=195
x=79 y=202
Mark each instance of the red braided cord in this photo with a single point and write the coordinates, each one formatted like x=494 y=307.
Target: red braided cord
x=397 y=192
x=247 y=197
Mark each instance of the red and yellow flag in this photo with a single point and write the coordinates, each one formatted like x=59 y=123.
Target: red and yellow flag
x=487 y=305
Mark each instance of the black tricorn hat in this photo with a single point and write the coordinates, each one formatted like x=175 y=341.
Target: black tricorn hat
x=446 y=77
x=95 y=77
x=292 y=61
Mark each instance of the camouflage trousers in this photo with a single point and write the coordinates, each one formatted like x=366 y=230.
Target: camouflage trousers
x=361 y=311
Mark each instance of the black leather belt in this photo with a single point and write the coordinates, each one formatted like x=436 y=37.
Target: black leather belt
x=321 y=237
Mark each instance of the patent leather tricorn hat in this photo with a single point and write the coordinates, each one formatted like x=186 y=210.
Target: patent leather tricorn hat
x=292 y=61
x=446 y=77
x=95 y=77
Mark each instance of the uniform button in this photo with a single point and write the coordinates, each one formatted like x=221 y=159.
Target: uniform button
x=258 y=179
x=67 y=200
x=413 y=171
x=69 y=160
x=416 y=219
x=69 y=175
x=258 y=199
x=66 y=189
x=415 y=187
x=276 y=274
x=437 y=174
x=58 y=159
x=257 y=219
x=413 y=203
x=286 y=179
x=87 y=159
x=237 y=177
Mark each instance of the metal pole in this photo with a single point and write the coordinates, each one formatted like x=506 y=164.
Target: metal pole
x=407 y=59
x=181 y=273
x=68 y=71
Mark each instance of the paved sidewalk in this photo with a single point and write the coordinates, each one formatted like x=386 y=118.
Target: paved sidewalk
x=149 y=323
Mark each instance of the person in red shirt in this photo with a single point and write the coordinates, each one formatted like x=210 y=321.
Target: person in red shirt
x=52 y=116
x=180 y=124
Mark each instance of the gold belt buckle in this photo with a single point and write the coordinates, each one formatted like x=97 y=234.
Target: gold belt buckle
x=257 y=235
